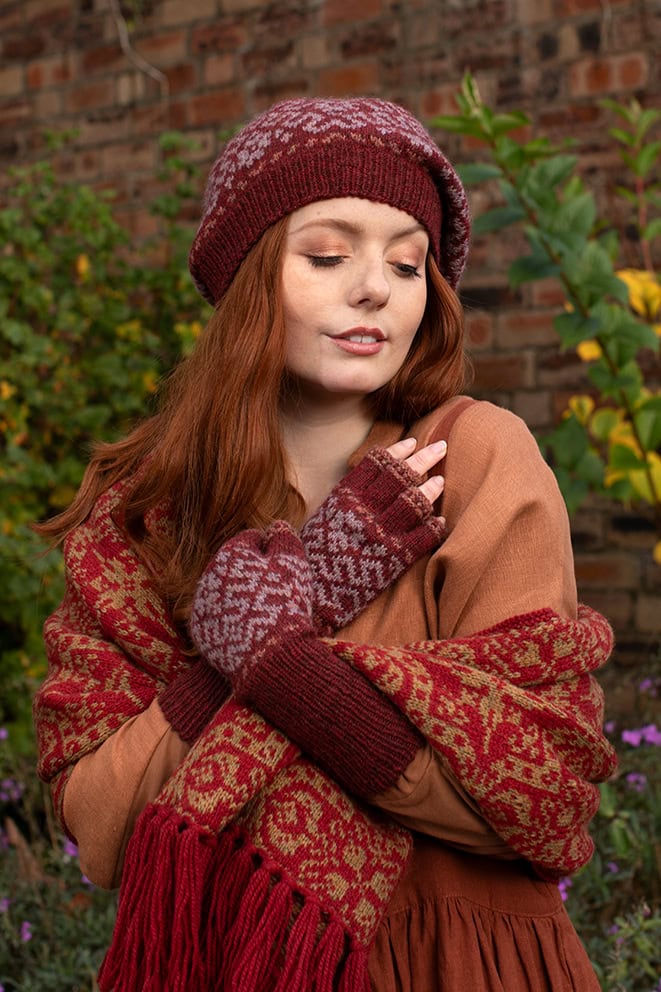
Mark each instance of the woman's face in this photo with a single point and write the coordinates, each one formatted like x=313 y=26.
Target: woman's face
x=354 y=292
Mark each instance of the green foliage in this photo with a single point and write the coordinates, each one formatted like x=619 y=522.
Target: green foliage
x=615 y=901
x=87 y=328
x=612 y=316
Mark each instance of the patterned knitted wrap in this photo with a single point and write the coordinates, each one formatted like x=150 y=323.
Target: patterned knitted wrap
x=252 y=870
x=304 y=150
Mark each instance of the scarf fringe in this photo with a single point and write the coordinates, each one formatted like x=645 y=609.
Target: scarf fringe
x=199 y=911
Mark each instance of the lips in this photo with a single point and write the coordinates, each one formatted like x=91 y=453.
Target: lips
x=361 y=335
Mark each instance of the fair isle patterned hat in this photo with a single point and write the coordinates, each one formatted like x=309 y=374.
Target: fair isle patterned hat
x=304 y=150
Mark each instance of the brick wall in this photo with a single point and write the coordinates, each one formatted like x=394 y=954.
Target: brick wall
x=202 y=66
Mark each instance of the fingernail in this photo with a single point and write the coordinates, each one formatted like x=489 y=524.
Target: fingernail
x=408 y=440
x=438 y=446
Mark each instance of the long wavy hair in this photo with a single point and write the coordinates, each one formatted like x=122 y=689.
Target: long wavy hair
x=212 y=457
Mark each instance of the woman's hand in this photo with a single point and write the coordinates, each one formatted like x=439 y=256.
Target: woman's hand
x=374 y=524
x=421 y=462
x=255 y=593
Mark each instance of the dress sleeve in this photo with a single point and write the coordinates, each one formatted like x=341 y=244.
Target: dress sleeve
x=108 y=789
x=508 y=551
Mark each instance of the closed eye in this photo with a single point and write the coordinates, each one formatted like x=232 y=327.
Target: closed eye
x=325 y=261
x=407 y=271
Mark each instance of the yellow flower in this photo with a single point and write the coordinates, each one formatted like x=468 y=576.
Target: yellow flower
x=581 y=407
x=149 y=382
x=644 y=292
x=82 y=267
x=588 y=351
x=6 y=390
x=656 y=553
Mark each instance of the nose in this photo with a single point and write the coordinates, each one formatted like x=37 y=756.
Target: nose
x=371 y=287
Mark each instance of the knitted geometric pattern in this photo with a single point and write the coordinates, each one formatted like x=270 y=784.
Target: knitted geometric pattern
x=263 y=584
x=253 y=870
x=304 y=150
x=370 y=529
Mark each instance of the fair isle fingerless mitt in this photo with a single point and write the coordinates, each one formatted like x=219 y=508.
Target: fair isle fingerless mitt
x=370 y=529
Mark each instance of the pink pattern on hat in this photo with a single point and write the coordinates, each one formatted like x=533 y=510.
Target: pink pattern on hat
x=304 y=150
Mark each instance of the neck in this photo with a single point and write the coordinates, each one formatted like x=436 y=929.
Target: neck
x=319 y=440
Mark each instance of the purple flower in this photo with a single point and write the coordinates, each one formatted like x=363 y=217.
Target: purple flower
x=610 y=726
x=5 y=903
x=651 y=734
x=4 y=733
x=11 y=790
x=26 y=931
x=612 y=867
x=648 y=686
x=70 y=849
x=636 y=781
x=613 y=930
x=564 y=885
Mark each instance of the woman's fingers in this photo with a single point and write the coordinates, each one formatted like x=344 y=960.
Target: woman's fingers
x=418 y=461
x=432 y=488
x=421 y=462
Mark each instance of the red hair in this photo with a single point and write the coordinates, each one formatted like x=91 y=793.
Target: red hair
x=213 y=454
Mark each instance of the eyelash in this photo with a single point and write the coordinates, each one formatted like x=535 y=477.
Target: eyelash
x=330 y=261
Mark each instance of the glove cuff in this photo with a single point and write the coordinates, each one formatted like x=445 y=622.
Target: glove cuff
x=334 y=714
x=192 y=699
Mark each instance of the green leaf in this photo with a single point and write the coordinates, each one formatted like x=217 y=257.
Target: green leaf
x=624 y=458
x=651 y=230
x=602 y=423
x=497 y=219
x=648 y=425
x=529 y=268
x=573 y=328
x=472 y=173
x=459 y=125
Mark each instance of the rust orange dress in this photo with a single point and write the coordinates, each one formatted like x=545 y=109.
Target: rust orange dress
x=468 y=914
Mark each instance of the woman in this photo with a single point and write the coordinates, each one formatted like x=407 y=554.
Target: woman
x=325 y=738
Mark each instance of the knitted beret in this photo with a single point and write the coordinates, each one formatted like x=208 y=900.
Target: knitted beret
x=304 y=150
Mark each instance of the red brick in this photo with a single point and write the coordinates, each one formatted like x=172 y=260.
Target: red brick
x=607 y=571
x=218 y=107
x=591 y=76
x=337 y=11
x=547 y=293
x=23 y=46
x=631 y=72
x=14 y=112
x=260 y=60
x=440 y=100
x=181 y=77
x=11 y=81
x=88 y=95
x=566 y=8
x=271 y=90
x=127 y=157
x=350 y=80
x=158 y=116
x=223 y=36
x=502 y=373
x=11 y=18
x=515 y=328
x=533 y=407
x=479 y=329
x=161 y=48
x=102 y=59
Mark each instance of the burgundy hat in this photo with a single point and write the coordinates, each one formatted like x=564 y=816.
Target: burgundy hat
x=304 y=150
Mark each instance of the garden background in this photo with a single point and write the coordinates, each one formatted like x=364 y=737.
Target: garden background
x=110 y=113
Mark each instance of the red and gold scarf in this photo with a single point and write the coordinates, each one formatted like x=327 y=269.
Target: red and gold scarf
x=252 y=870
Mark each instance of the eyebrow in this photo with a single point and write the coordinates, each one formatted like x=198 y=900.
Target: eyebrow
x=348 y=227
